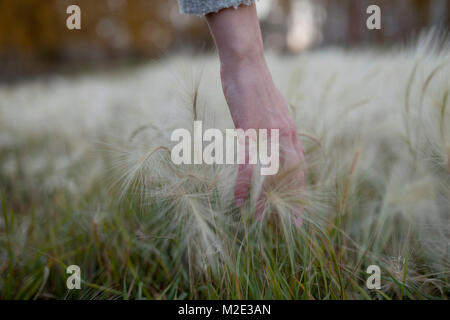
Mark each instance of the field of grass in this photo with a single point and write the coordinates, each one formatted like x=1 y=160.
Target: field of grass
x=86 y=179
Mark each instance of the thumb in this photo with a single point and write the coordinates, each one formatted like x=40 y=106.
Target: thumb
x=243 y=182
x=260 y=206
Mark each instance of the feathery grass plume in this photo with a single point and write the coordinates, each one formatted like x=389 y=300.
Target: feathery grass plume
x=376 y=131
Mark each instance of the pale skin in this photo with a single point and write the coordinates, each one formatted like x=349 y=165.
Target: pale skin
x=253 y=99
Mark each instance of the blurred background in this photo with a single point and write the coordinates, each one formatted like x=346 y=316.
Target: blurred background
x=34 y=39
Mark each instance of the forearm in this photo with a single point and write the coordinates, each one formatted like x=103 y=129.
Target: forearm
x=237 y=35
x=253 y=99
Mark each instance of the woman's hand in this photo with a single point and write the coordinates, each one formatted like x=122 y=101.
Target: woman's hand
x=254 y=101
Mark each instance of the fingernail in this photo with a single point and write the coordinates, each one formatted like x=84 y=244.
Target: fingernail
x=259 y=218
x=298 y=221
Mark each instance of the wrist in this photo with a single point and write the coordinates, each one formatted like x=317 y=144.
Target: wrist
x=242 y=55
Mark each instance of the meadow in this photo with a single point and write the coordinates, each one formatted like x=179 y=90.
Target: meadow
x=86 y=179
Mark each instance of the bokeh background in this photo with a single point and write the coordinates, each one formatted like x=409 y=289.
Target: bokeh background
x=34 y=39
x=86 y=177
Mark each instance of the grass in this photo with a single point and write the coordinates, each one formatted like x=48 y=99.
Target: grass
x=85 y=179
x=119 y=262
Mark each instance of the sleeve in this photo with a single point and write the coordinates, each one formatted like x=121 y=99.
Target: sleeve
x=202 y=7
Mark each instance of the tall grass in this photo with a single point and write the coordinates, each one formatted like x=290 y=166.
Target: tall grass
x=86 y=179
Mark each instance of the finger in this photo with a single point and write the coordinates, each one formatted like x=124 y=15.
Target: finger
x=243 y=183
x=297 y=216
x=298 y=147
x=295 y=159
x=302 y=163
x=260 y=206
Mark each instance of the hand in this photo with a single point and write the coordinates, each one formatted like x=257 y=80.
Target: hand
x=256 y=103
